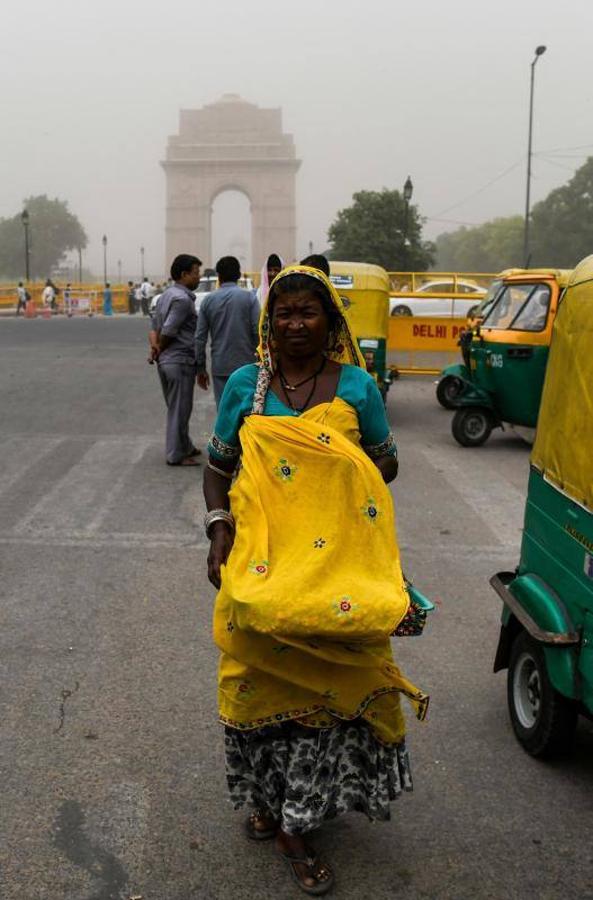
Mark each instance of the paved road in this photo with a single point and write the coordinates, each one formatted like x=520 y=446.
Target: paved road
x=111 y=759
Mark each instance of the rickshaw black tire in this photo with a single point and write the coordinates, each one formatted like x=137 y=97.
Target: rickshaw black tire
x=464 y=420
x=401 y=310
x=448 y=389
x=552 y=734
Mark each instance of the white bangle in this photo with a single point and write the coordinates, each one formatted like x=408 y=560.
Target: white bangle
x=218 y=515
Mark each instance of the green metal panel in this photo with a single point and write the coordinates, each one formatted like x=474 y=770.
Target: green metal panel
x=586 y=662
x=558 y=548
x=513 y=377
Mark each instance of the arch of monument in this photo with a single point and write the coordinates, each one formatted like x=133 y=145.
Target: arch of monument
x=231 y=145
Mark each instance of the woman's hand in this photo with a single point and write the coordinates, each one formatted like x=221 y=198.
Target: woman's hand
x=221 y=544
x=388 y=467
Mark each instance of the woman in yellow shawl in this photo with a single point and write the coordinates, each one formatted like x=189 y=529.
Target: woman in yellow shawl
x=304 y=553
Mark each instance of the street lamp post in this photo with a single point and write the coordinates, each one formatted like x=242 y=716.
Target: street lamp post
x=142 y=262
x=104 y=242
x=407 y=194
x=526 y=253
x=80 y=265
x=25 y=221
x=119 y=271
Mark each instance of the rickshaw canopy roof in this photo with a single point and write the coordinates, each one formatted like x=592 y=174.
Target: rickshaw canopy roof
x=561 y=276
x=365 y=276
x=562 y=449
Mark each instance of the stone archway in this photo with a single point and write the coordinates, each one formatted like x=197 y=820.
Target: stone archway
x=231 y=145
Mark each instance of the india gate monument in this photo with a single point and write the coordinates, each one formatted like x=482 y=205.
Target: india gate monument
x=231 y=145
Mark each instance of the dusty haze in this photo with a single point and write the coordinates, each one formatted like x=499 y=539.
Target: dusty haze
x=371 y=91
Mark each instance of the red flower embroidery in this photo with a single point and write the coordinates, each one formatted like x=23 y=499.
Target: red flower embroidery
x=261 y=570
x=243 y=688
x=345 y=606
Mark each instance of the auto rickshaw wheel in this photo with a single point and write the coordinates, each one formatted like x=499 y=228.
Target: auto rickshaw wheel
x=448 y=389
x=543 y=720
x=471 y=426
x=401 y=310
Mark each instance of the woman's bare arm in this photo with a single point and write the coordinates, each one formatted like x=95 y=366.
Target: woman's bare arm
x=216 y=494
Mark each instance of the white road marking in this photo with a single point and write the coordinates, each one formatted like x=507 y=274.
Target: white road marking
x=19 y=452
x=80 y=499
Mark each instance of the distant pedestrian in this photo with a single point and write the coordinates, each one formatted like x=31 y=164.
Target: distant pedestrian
x=22 y=295
x=172 y=345
x=317 y=261
x=137 y=296
x=68 y=300
x=230 y=316
x=107 y=300
x=146 y=294
x=49 y=294
x=131 y=298
x=269 y=271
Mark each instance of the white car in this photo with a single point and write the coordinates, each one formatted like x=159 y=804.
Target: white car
x=439 y=306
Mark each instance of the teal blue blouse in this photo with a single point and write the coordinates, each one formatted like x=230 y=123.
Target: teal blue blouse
x=355 y=386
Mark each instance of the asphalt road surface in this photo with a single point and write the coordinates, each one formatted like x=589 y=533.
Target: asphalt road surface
x=111 y=761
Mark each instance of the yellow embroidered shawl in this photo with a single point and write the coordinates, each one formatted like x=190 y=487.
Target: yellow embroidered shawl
x=313 y=586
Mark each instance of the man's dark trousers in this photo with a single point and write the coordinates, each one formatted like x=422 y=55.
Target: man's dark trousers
x=177 y=382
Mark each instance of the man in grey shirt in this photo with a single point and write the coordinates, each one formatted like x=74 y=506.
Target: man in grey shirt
x=230 y=315
x=172 y=343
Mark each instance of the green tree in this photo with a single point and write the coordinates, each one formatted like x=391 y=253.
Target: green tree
x=373 y=230
x=562 y=224
x=490 y=247
x=53 y=230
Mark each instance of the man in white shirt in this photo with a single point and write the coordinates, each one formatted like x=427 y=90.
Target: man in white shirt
x=49 y=294
x=146 y=293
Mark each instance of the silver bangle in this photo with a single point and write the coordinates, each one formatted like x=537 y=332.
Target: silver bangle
x=228 y=475
x=218 y=515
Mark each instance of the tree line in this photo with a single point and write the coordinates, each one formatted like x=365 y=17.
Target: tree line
x=561 y=233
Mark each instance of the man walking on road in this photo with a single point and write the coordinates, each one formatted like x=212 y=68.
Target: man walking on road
x=21 y=298
x=146 y=295
x=172 y=342
x=230 y=315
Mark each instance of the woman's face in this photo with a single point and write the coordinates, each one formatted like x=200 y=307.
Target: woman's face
x=300 y=324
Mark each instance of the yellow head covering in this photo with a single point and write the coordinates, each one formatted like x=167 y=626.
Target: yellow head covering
x=346 y=348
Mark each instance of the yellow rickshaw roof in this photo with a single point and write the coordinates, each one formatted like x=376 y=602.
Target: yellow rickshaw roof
x=561 y=276
x=365 y=276
x=562 y=449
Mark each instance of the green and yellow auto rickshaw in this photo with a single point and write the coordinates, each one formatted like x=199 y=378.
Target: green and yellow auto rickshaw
x=546 y=639
x=501 y=378
x=364 y=290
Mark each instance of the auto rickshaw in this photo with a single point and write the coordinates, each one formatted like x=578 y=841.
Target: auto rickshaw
x=364 y=290
x=505 y=358
x=546 y=638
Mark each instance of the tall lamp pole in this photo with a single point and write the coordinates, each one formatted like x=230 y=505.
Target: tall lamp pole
x=25 y=221
x=526 y=252
x=119 y=271
x=407 y=194
x=80 y=265
x=104 y=242
x=142 y=262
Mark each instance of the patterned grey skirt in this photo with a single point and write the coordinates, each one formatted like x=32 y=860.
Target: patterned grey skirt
x=303 y=776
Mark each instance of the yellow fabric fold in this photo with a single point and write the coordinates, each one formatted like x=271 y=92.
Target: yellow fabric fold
x=313 y=586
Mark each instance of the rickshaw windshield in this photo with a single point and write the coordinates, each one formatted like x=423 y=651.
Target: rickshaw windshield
x=520 y=307
x=484 y=305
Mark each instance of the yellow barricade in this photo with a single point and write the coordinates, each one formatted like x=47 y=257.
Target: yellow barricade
x=412 y=340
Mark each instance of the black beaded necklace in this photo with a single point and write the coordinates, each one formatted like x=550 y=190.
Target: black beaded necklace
x=286 y=387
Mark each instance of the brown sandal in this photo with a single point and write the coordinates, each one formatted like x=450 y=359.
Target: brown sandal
x=321 y=872
x=259 y=834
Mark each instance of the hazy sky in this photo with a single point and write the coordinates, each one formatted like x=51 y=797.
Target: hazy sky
x=372 y=91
